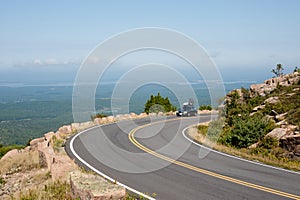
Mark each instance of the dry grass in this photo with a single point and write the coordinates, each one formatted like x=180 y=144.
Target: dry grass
x=268 y=159
x=22 y=161
x=52 y=190
x=93 y=182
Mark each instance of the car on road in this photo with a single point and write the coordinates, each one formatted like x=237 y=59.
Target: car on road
x=187 y=109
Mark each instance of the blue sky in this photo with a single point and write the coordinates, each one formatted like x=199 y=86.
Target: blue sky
x=239 y=34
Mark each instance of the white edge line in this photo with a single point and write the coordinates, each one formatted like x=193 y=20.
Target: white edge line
x=97 y=171
x=235 y=157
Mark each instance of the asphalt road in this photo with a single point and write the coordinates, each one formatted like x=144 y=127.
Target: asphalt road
x=157 y=158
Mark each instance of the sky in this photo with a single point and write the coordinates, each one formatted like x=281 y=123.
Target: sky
x=53 y=38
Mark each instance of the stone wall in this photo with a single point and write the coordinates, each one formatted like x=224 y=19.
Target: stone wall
x=60 y=165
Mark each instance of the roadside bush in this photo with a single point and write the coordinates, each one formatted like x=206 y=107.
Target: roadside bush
x=268 y=143
x=98 y=115
x=202 y=129
x=215 y=129
x=245 y=132
x=266 y=147
x=205 y=107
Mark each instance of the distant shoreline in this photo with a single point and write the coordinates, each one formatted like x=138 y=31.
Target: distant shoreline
x=71 y=84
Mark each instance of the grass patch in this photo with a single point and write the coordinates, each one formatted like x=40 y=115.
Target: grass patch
x=54 y=190
x=57 y=143
x=258 y=154
x=20 y=162
x=202 y=129
x=5 y=149
x=2 y=182
x=131 y=196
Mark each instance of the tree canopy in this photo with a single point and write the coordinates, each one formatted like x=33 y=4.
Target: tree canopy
x=158 y=104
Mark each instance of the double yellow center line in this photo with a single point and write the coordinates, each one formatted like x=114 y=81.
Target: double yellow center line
x=203 y=171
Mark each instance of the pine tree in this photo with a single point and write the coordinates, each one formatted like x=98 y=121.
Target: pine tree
x=158 y=104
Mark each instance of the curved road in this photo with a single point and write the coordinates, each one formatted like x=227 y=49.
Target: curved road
x=153 y=156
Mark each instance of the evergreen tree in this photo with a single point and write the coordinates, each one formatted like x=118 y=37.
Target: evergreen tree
x=158 y=104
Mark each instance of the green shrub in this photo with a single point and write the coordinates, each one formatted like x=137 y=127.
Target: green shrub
x=202 y=129
x=205 y=107
x=57 y=143
x=279 y=107
x=255 y=101
x=245 y=93
x=242 y=129
x=98 y=115
x=2 y=182
x=158 y=104
x=293 y=117
x=266 y=147
x=245 y=132
x=268 y=143
x=215 y=129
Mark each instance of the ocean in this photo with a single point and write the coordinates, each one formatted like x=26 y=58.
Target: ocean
x=30 y=110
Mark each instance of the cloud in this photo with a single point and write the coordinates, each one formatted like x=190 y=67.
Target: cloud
x=45 y=62
x=49 y=62
x=52 y=61
x=37 y=62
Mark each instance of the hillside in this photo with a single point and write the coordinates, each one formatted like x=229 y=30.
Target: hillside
x=275 y=104
x=43 y=170
x=260 y=123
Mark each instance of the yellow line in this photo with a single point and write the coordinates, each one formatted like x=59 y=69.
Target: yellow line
x=203 y=171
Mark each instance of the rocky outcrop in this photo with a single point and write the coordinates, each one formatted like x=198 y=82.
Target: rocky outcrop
x=291 y=143
x=297 y=150
x=142 y=115
x=44 y=145
x=276 y=99
x=53 y=161
x=77 y=127
x=43 y=160
x=19 y=181
x=64 y=131
x=269 y=85
x=277 y=133
x=10 y=153
x=272 y=100
x=34 y=143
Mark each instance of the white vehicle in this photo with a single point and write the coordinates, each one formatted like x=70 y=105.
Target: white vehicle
x=187 y=109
